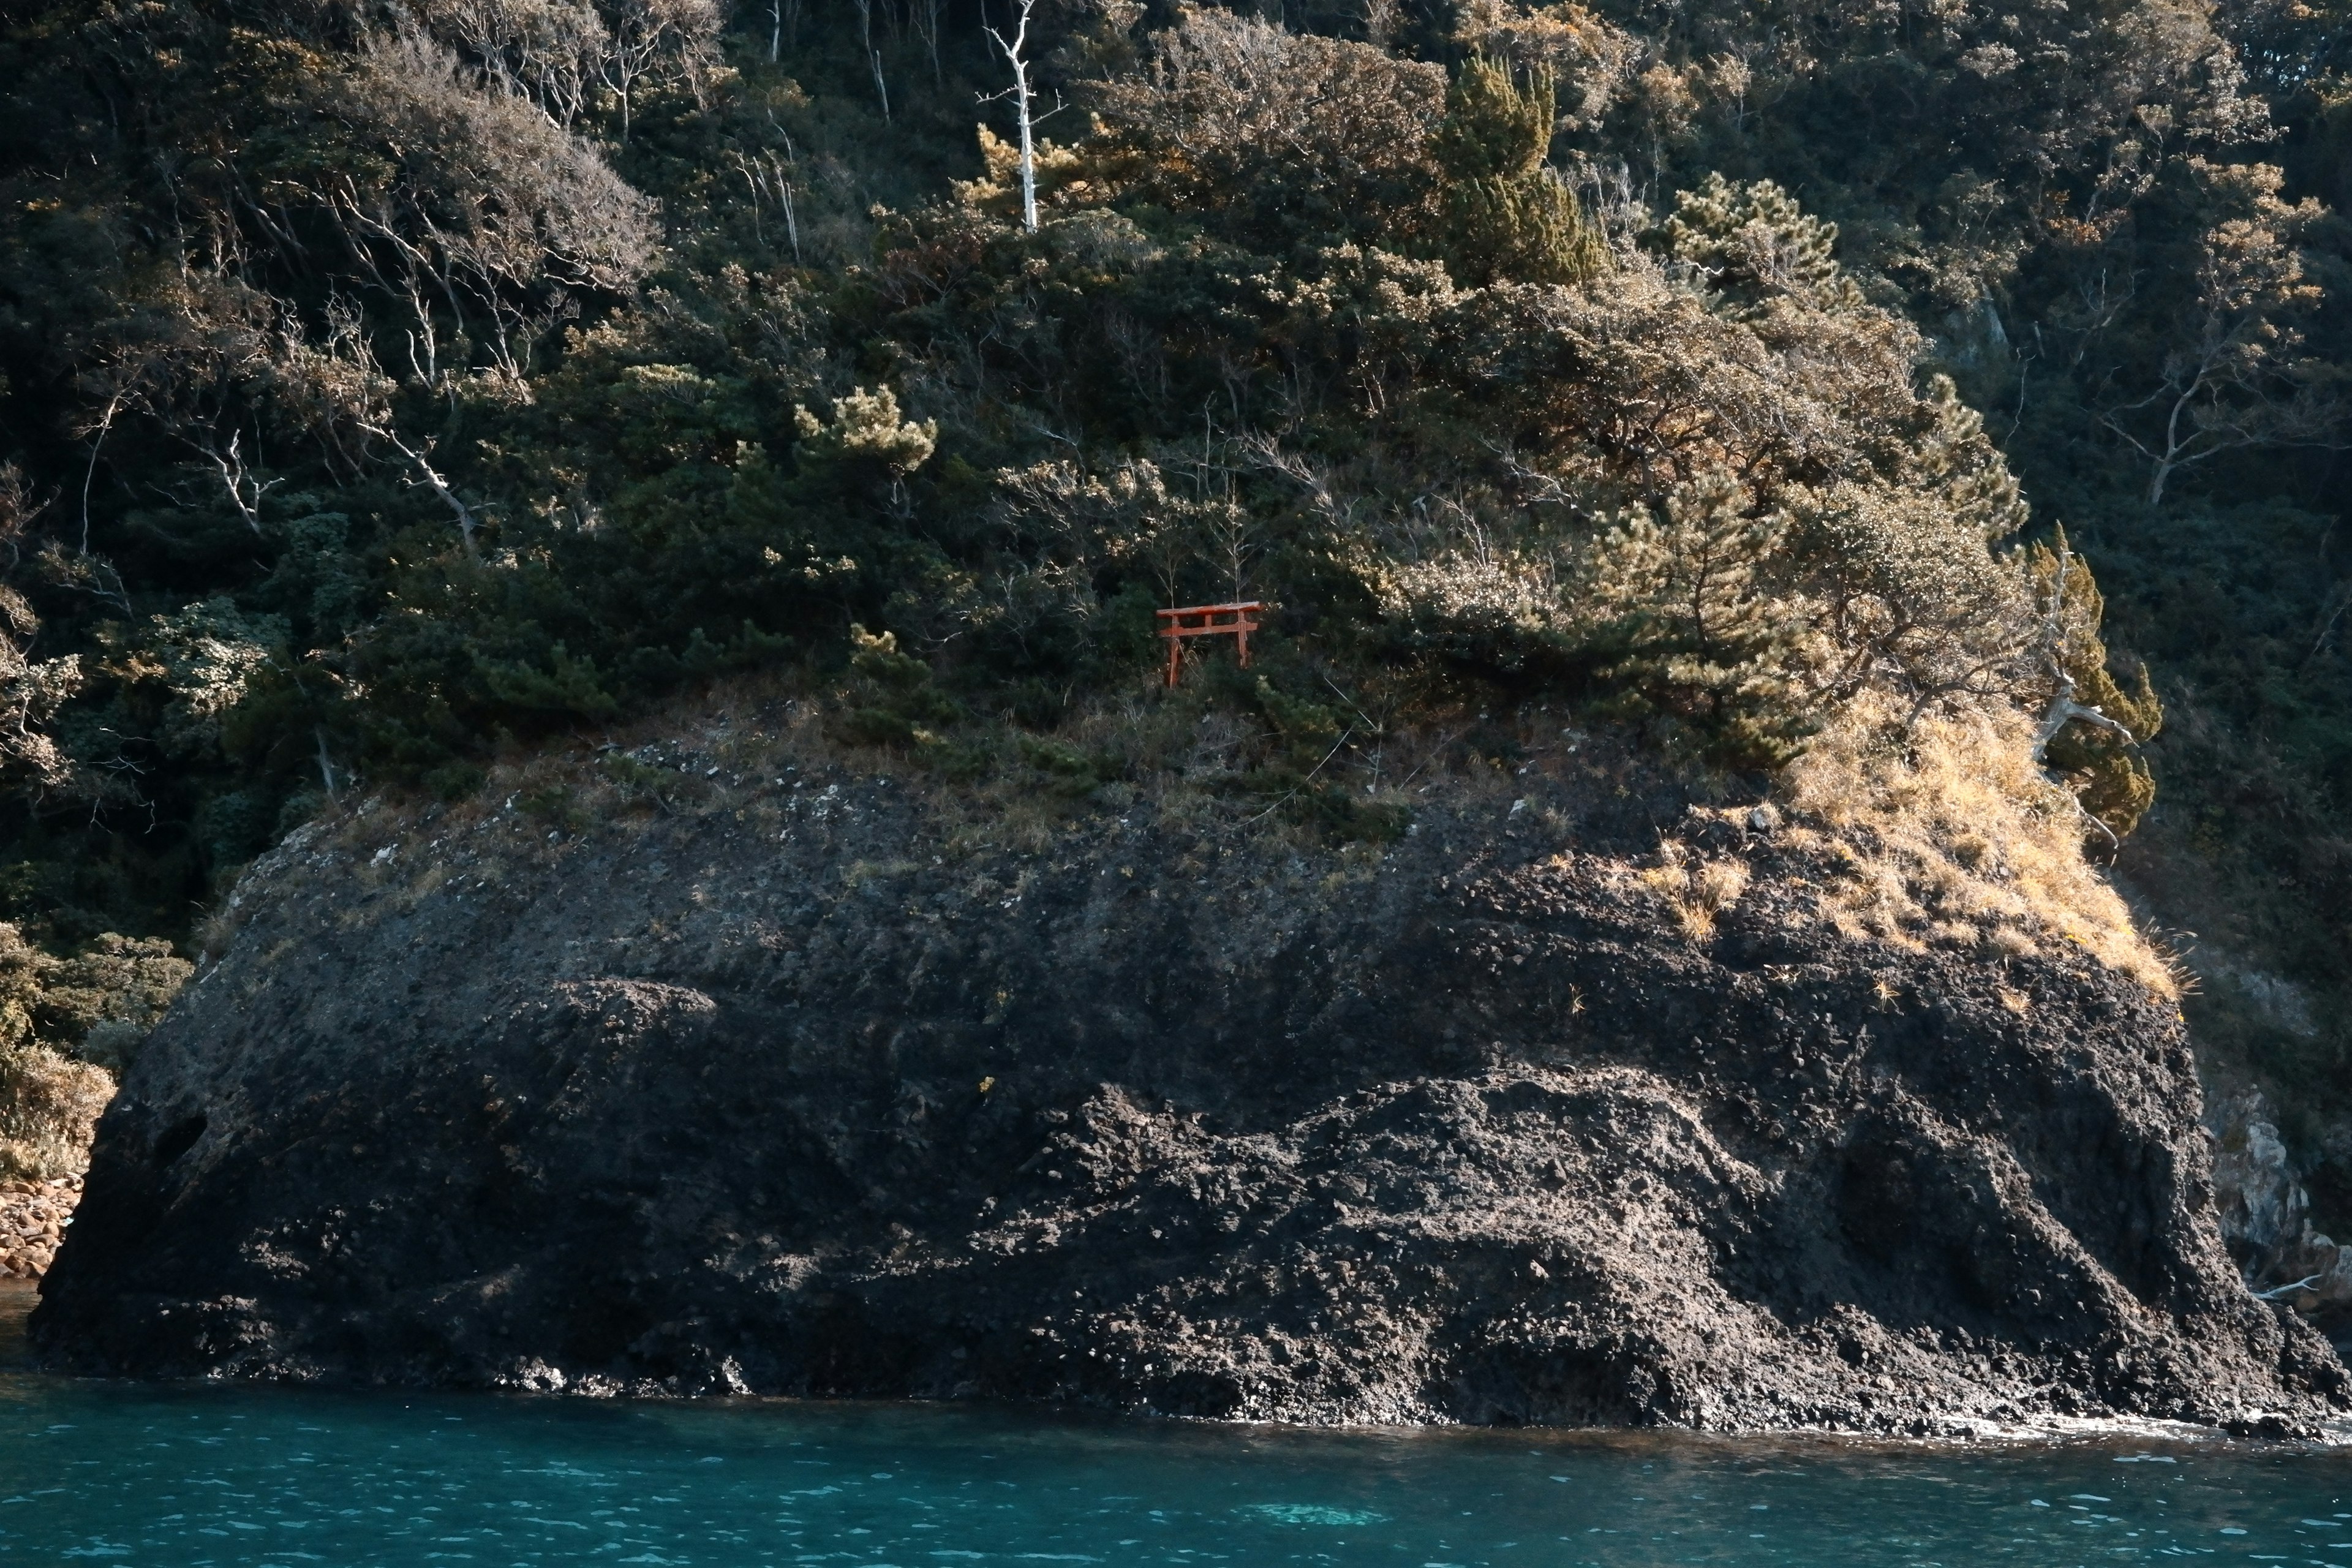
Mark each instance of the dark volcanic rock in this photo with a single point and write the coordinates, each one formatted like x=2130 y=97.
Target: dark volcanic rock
x=796 y=1091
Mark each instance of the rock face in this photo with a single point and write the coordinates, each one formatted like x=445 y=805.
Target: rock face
x=804 y=1089
x=2266 y=1220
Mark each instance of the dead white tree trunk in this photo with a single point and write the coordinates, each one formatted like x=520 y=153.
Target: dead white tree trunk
x=245 y=487
x=769 y=176
x=641 y=32
x=926 y=17
x=327 y=769
x=105 y=424
x=2063 y=709
x=467 y=523
x=1016 y=53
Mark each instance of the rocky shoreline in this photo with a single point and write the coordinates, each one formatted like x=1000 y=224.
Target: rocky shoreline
x=810 y=1089
x=34 y=1215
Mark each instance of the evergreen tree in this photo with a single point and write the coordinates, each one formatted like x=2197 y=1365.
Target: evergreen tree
x=1689 y=595
x=1508 y=216
x=1752 y=243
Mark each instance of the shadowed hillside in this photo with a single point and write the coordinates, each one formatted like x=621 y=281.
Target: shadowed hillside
x=1955 y=397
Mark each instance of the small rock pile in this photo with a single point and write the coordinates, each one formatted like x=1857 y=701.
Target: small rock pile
x=33 y=1220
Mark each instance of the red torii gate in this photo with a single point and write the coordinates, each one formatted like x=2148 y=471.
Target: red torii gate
x=1236 y=621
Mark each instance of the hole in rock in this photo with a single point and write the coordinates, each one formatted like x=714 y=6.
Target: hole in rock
x=178 y=1139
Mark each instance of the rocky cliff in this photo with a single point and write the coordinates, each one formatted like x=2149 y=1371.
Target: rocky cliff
x=2266 y=1220
x=804 y=1079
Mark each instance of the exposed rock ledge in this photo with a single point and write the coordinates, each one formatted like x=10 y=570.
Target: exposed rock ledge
x=799 y=1092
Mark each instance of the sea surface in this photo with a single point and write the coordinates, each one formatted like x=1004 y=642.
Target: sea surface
x=186 y=1476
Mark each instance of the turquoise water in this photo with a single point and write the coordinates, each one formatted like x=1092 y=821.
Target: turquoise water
x=193 y=1476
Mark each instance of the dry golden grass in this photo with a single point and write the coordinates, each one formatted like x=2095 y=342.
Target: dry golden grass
x=1696 y=890
x=1949 y=836
x=49 y=1107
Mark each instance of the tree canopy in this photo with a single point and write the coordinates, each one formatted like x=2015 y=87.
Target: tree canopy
x=389 y=384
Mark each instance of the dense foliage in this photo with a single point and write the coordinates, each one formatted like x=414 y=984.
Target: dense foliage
x=390 y=383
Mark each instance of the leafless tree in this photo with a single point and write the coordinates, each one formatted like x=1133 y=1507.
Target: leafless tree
x=558 y=63
x=1015 y=54
x=655 y=39
x=2234 y=381
x=549 y=51
x=97 y=431
x=2064 y=708
x=420 y=458
x=486 y=212
x=245 y=487
x=770 y=177
x=927 y=17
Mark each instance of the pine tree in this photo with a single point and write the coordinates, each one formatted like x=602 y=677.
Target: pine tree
x=1508 y=216
x=1752 y=242
x=1687 y=597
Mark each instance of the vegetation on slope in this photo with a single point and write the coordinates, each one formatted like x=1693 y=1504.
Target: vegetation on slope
x=389 y=387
